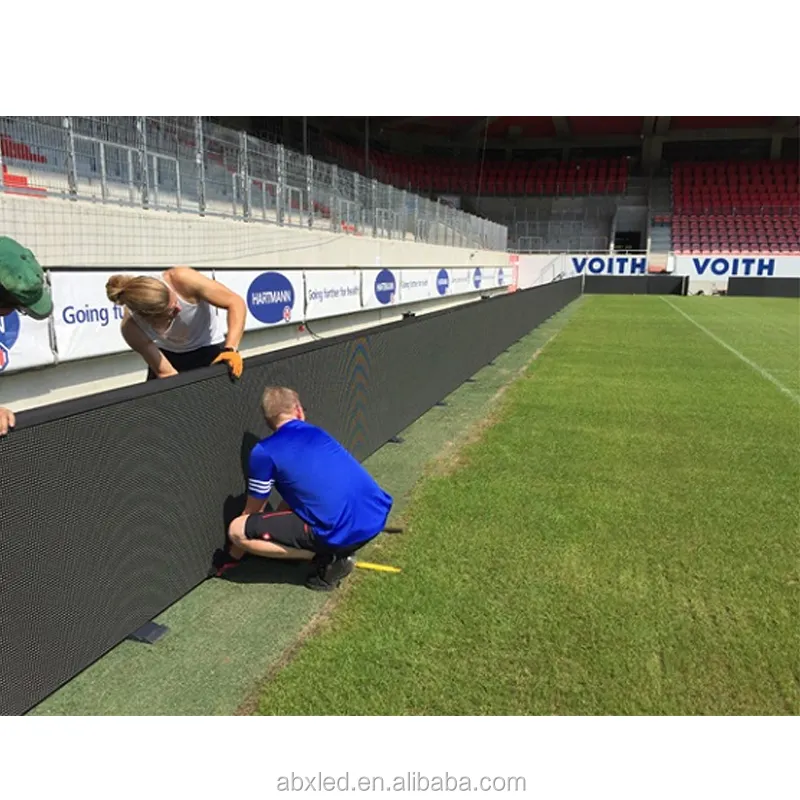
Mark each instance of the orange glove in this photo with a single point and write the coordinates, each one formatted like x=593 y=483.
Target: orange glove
x=233 y=360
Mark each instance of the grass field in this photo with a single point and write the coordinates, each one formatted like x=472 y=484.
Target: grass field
x=225 y=636
x=622 y=539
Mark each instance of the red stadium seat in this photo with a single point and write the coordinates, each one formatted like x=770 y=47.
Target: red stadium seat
x=750 y=206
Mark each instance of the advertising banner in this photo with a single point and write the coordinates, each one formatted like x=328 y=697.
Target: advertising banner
x=483 y=278
x=417 y=285
x=24 y=343
x=379 y=288
x=85 y=321
x=605 y=265
x=332 y=292
x=722 y=267
x=460 y=281
x=272 y=297
x=442 y=282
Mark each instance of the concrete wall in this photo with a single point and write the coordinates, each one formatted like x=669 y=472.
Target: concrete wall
x=65 y=233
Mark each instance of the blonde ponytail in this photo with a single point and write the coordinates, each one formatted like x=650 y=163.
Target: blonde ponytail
x=141 y=294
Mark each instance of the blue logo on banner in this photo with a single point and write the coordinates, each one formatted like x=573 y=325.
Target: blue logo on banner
x=442 y=281
x=735 y=266
x=9 y=333
x=620 y=265
x=501 y=278
x=385 y=286
x=476 y=278
x=270 y=298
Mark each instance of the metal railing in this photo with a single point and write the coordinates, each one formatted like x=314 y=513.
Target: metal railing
x=578 y=244
x=190 y=165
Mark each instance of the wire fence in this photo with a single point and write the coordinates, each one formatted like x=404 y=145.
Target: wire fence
x=190 y=165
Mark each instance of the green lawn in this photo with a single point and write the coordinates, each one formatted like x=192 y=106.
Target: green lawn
x=623 y=540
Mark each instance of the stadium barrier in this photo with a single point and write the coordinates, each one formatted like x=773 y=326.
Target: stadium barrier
x=84 y=324
x=635 y=284
x=764 y=287
x=115 y=502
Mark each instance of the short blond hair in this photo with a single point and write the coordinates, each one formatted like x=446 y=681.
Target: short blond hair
x=277 y=402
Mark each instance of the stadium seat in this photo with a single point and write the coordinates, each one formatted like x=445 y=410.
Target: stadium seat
x=585 y=176
x=736 y=206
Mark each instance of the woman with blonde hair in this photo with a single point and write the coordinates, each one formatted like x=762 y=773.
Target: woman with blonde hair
x=171 y=320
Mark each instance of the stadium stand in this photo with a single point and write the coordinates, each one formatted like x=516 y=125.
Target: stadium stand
x=735 y=207
x=730 y=233
x=728 y=187
x=576 y=204
x=587 y=176
x=20 y=151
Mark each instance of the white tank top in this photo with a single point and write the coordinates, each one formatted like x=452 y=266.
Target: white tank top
x=196 y=325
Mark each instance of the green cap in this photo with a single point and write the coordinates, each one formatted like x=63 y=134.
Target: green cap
x=23 y=278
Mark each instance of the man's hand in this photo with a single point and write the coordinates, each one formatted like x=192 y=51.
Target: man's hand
x=234 y=362
x=7 y=420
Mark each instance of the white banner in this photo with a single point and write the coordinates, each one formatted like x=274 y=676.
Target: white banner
x=86 y=322
x=417 y=285
x=605 y=265
x=272 y=297
x=538 y=270
x=722 y=267
x=460 y=281
x=483 y=278
x=379 y=288
x=24 y=343
x=331 y=292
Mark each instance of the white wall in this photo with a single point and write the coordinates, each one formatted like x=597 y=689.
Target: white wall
x=66 y=233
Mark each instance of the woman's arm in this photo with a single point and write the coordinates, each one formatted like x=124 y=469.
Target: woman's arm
x=194 y=286
x=137 y=340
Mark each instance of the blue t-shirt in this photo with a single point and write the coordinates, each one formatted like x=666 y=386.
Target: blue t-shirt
x=322 y=483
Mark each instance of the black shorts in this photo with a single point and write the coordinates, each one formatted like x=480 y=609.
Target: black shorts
x=194 y=359
x=286 y=528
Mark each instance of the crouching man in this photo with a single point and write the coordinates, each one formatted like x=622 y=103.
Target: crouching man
x=334 y=506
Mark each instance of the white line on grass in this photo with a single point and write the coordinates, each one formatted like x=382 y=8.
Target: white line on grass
x=756 y=367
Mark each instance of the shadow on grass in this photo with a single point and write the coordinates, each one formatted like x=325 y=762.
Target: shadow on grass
x=266 y=570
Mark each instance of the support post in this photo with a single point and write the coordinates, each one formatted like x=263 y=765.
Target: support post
x=310 y=188
x=280 y=199
x=374 y=203
x=336 y=217
x=244 y=177
x=199 y=158
x=358 y=213
x=141 y=138
x=72 y=170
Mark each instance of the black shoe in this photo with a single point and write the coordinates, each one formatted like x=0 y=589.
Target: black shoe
x=222 y=562
x=330 y=572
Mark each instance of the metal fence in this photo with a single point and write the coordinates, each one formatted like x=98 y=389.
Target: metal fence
x=189 y=165
x=577 y=231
